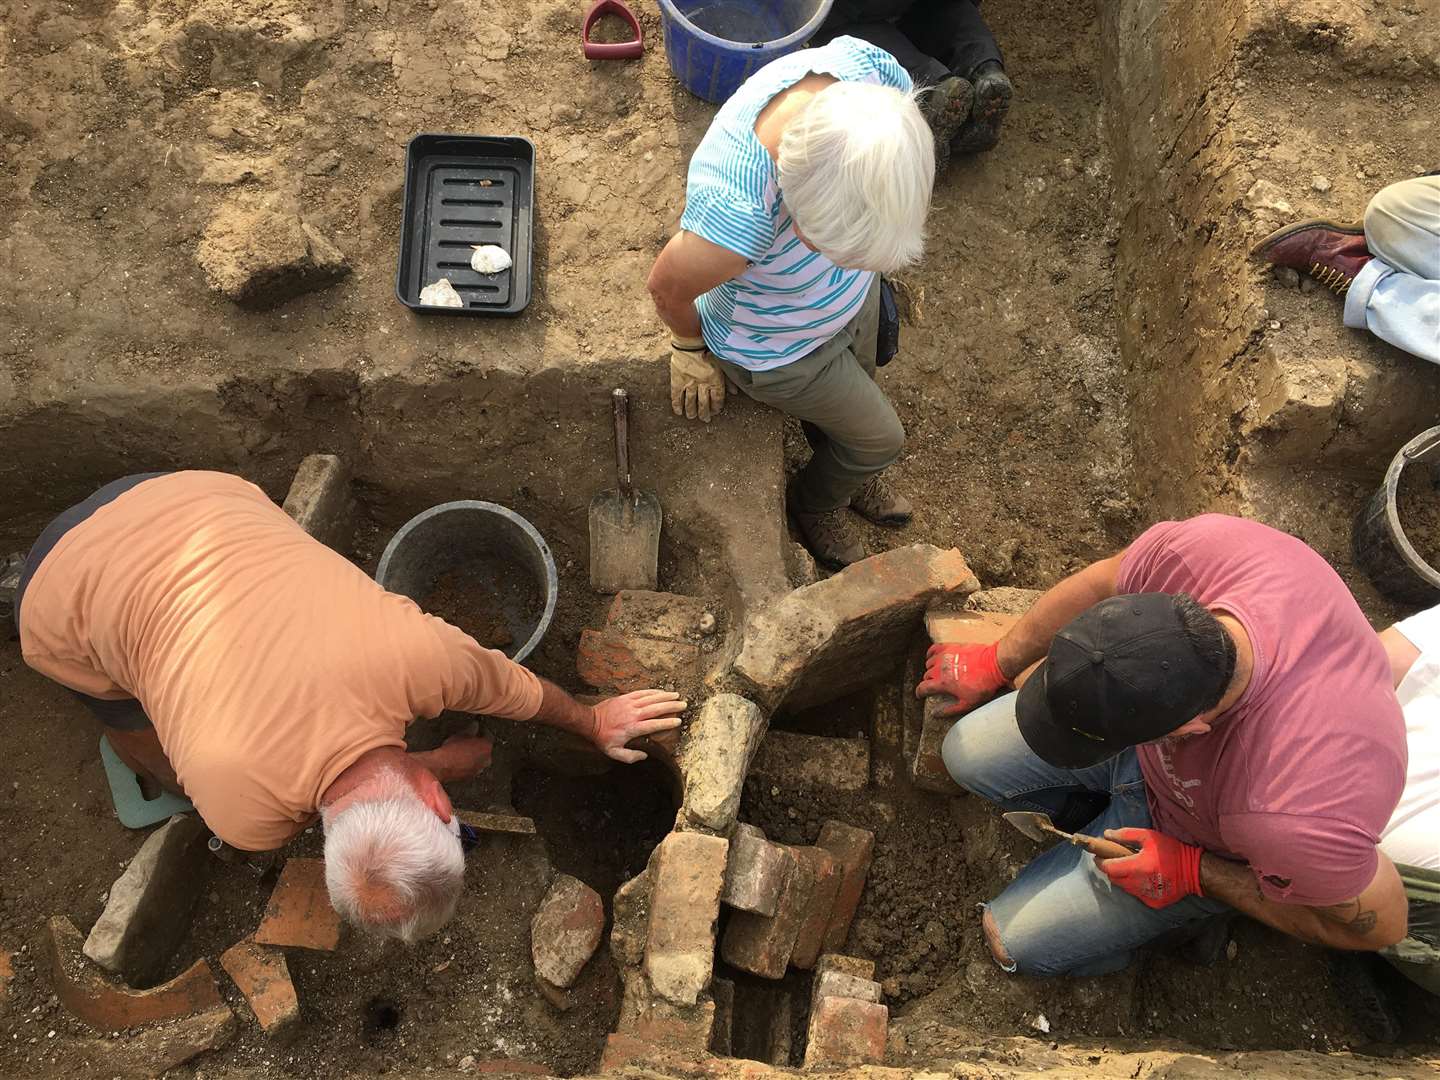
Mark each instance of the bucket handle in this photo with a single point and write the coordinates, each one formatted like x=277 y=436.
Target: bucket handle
x=1425 y=447
x=611 y=50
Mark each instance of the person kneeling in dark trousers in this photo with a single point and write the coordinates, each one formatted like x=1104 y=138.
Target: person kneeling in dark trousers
x=944 y=44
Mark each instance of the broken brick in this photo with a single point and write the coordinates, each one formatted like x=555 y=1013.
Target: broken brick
x=566 y=931
x=630 y=922
x=156 y=1050
x=320 y=501
x=641 y=613
x=761 y=944
x=645 y=1015
x=834 y=983
x=299 y=912
x=947 y=625
x=497 y=823
x=609 y=660
x=853 y=849
x=848 y=965
x=88 y=992
x=841 y=634
x=811 y=762
x=927 y=768
x=826 y=872
x=846 y=1031
x=150 y=905
x=684 y=904
x=718 y=747
x=263 y=977
x=755 y=872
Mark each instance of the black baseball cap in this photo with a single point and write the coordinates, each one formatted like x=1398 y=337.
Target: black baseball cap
x=1123 y=673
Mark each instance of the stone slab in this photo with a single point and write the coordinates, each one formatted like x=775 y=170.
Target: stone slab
x=150 y=905
x=713 y=760
x=811 y=762
x=497 y=823
x=321 y=502
x=299 y=912
x=684 y=906
x=853 y=849
x=566 y=931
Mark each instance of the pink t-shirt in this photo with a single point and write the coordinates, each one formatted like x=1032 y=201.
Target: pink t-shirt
x=1300 y=776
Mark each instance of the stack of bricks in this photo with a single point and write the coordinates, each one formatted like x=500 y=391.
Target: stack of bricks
x=848 y=1023
x=792 y=903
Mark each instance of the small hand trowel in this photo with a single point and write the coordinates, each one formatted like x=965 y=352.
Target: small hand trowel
x=624 y=523
x=1035 y=826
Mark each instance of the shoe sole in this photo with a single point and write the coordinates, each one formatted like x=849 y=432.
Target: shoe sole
x=949 y=107
x=889 y=519
x=1346 y=228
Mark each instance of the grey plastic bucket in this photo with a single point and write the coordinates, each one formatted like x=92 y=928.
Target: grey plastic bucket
x=1381 y=547
x=463 y=535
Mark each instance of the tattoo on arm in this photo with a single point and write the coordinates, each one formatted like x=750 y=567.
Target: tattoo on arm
x=1351 y=915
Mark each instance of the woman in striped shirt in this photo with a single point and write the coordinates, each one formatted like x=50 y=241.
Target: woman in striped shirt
x=813 y=179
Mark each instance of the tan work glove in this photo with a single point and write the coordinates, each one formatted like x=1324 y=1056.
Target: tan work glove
x=697 y=385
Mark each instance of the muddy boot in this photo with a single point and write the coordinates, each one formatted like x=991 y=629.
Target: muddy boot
x=877 y=501
x=946 y=108
x=831 y=536
x=1331 y=252
x=992 y=101
x=1354 y=977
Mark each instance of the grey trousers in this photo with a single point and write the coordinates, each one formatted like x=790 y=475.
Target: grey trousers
x=850 y=423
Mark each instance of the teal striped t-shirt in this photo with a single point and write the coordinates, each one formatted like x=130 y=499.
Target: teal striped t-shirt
x=790 y=299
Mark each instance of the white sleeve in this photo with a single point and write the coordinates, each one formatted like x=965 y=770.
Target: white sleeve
x=1422 y=629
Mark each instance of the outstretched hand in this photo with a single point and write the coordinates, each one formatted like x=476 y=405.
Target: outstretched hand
x=618 y=720
x=969 y=673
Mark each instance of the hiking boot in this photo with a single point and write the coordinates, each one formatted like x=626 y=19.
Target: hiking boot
x=1330 y=252
x=831 y=535
x=877 y=501
x=947 y=107
x=992 y=101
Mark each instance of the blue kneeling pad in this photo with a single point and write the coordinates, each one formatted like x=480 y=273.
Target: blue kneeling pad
x=131 y=807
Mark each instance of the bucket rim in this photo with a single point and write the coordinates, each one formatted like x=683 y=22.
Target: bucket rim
x=552 y=578
x=800 y=36
x=1407 y=455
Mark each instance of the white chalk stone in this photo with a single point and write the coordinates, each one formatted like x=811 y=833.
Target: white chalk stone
x=441 y=294
x=489 y=259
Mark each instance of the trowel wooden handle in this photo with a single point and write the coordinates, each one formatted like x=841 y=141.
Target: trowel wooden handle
x=621 y=400
x=1098 y=845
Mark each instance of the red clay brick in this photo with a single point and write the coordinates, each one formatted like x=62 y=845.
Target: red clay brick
x=610 y=660
x=967 y=627
x=566 y=931
x=755 y=872
x=263 y=977
x=299 y=912
x=86 y=990
x=762 y=945
x=647 y=1016
x=808 y=941
x=845 y=1031
x=927 y=768
x=684 y=904
x=852 y=849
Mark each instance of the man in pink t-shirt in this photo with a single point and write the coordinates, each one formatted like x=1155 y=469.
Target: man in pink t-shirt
x=1213 y=699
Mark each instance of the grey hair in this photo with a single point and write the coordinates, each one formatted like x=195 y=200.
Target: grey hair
x=857 y=166
x=391 y=865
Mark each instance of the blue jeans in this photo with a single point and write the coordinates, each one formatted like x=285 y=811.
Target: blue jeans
x=1396 y=295
x=1062 y=916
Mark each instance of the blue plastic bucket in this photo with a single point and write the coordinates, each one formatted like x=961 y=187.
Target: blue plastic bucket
x=715 y=45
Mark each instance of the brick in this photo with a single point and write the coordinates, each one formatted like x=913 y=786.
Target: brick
x=641 y=613
x=88 y=992
x=625 y=1051
x=837 y=636
x=762 y=945
x=713 y=761
x=848 y=965
x=722 y=992
x=947 y=625
x=156 y=1050
x=609 y=660
x=631 y=919
x=838 y=984
x=497 y=823
x=299 y=912
x=648 y=1016
x=1004 y=600
x=755 y=872
x=811 y=938
x=321 y=503
x=927 y=768
x=812 y=762
x=853 y=849
x=150 y=905
x=684 y=904
x=845 y=1031
x=263 y=977
x=566 y=931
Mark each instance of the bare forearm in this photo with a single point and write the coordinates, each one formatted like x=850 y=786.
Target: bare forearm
x=1352 y=925
x=678 y=314
x=559 y=710
x=1029 y=639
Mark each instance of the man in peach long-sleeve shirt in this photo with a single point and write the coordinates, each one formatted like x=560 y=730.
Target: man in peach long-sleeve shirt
x=237 y=660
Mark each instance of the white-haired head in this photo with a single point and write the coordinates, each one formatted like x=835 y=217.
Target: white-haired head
x=391 y=864
x=857 y=165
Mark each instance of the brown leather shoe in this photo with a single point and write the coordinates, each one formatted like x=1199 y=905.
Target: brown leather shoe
x=1330 y=252
x=877 y=501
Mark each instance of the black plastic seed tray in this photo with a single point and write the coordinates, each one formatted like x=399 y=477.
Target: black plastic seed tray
x=463 y=190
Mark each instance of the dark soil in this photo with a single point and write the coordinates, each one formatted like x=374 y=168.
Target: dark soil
x=1417 y=500
x=497 y=604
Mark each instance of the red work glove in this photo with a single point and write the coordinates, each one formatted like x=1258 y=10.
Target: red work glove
x=969 y=673
x=1163 y=871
